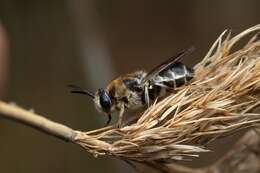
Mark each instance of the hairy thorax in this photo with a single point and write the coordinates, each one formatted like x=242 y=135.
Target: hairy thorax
x=126 y=90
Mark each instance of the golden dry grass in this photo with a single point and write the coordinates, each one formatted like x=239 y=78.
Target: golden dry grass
x=219 y=101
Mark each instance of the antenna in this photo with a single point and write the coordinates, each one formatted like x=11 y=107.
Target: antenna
x=79 y=90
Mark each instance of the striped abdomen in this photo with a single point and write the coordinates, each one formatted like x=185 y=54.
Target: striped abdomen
x=175 y=76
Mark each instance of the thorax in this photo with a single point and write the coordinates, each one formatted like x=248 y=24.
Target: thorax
x=126 y=90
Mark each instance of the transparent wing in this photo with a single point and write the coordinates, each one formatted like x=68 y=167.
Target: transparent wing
x=165 y=65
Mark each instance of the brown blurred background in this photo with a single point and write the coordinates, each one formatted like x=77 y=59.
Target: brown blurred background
x=50 y=44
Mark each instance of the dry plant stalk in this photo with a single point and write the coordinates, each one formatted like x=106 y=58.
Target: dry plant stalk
x=243 y=157
x=219 y=101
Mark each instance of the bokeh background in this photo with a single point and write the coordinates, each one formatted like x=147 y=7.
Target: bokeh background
x=45 y=45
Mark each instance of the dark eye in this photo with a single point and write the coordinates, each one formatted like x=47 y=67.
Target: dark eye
x=105 y=100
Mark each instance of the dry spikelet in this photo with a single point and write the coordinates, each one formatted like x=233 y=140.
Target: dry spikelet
x=219 y=101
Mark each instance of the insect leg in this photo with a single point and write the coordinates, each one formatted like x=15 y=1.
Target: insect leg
x=120 y=117
x=108 y=120
x=146 y=95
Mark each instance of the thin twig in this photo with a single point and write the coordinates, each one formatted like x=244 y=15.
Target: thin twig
x=29 y=118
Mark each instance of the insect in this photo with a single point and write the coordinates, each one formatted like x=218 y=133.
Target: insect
x=136 y=90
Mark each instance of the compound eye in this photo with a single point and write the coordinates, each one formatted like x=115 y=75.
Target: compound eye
x=105 y=100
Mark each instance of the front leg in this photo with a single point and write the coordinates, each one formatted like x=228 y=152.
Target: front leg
x=120 y=117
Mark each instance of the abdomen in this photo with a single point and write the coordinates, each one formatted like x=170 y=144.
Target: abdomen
x=175 y=76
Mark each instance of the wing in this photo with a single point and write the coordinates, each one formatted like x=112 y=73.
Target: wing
x=165 y=65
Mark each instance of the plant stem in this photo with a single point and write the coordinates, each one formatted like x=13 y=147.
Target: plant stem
x=11 y=111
